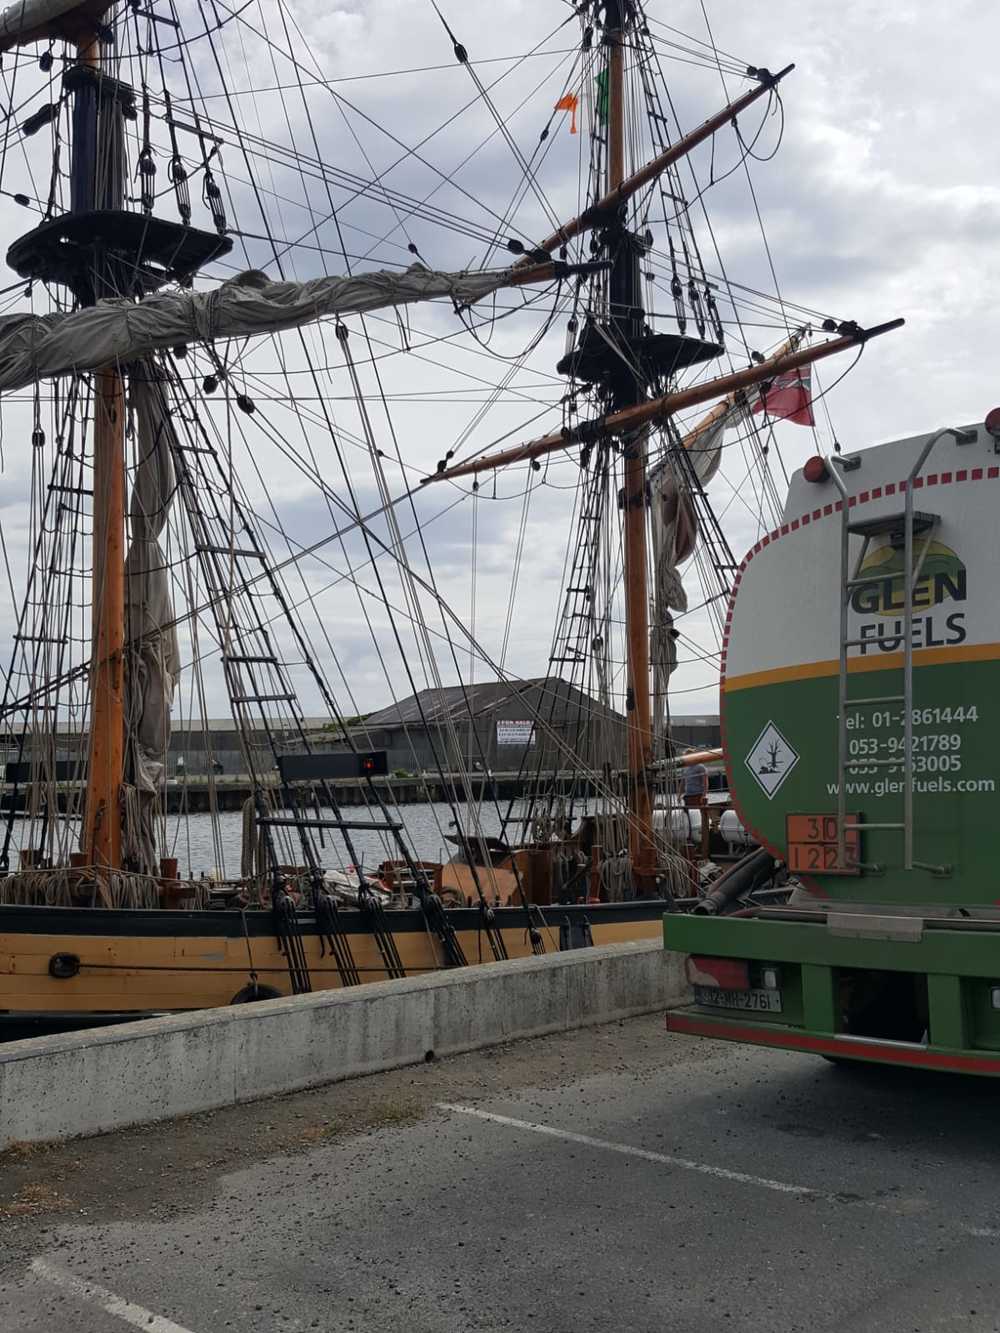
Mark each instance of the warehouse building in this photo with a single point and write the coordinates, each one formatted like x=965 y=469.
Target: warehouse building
x=498 y=726
x=690 y=732
x=501 y=727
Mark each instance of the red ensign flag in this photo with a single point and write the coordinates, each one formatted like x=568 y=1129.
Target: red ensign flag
x=788 y=398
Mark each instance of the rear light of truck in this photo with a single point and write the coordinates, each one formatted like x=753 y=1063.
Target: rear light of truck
x=728 y=973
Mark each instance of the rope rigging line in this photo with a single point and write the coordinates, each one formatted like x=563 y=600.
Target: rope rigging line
x=255 y=644
x=425 y=646
x=322 y=81
x=408 y=152
x=461 y=55
x=444 y=932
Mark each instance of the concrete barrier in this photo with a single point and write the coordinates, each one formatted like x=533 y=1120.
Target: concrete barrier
x=82 y=1083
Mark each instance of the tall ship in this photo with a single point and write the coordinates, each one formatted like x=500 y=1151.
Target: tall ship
x=237 y=293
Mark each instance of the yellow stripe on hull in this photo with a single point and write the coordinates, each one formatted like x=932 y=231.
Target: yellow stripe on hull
x=969 y=652
x=138 y=974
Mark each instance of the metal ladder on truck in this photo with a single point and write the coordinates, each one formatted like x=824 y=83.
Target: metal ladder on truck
x=902 y=527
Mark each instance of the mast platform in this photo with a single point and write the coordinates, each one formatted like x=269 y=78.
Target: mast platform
x=596 y=360
x=110 y=241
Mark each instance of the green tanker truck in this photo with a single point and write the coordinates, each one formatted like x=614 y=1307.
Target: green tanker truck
x=860 y=702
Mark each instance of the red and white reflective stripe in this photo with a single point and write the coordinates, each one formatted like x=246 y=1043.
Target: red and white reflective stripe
x=886 y=1052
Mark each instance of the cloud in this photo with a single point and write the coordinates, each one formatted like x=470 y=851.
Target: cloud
x=881 y=201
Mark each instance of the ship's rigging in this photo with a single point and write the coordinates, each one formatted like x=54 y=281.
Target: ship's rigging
x=125 y=118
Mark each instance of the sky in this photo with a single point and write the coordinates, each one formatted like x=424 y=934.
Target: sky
x=879 y=202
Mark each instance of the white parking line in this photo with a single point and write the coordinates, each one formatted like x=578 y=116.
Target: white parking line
x=703 y=1168
x=626 y=1149
x=91 y=1294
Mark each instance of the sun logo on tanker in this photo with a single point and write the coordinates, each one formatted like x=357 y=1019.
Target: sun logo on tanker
x=940 y=578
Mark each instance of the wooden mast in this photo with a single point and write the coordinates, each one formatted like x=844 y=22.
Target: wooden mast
x=102 y=826
x=626 y=322
x=102 y=820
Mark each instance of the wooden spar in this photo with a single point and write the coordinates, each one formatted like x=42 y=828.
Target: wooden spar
x=694 y=757
x=629 y=418
x=522 y=277
x=620 y=193
x=623 y=296
x=102 y=823
x=720 y=410
x=709 y=420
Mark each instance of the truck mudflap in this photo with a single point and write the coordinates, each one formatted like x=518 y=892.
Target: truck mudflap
x=923 y=993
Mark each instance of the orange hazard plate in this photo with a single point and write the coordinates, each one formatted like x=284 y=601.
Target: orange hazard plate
x=813 y=845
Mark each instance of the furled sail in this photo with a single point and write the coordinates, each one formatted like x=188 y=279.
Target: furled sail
x=120 y=331
x=154 y=662
x=38 y=20
x=675 y=524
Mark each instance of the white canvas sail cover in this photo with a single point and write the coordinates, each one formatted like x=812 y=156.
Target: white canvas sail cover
x=26 y=15
x=153 y=664
x=120 y=331
x=674 y=524
x=32 y=20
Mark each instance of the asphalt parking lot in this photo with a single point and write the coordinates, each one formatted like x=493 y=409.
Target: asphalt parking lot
x=614 y=1178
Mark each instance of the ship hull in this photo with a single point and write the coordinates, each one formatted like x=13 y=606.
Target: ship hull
x=129 y=963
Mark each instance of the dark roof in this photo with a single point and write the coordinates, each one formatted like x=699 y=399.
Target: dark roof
x=457 y=702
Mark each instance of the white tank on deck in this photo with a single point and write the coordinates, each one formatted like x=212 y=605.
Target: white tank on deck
x=732 y=829
x=679 y=823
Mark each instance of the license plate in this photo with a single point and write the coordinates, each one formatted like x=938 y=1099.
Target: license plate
x=766 y=1001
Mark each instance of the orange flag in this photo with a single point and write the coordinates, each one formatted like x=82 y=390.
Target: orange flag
x=569 y=102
